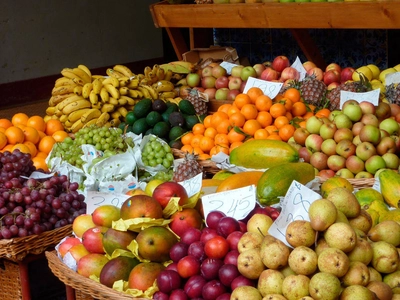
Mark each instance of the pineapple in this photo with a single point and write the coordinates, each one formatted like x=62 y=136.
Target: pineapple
x=393 y=93
x=313 y=91
x=199 y=101
x=187 y=169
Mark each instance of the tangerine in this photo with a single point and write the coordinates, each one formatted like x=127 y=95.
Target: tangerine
x=14 y=135
x=292 y=94
x=207 y=121
x=60 y=135
x=249 y=111
x=210 y=132
x=251 y=126
x=277 y=109
x=36 y=122
x=254 y=93
x=242 y=99
x=32 y=148
x=224 y=126
x=261 y=134
x=187 y=138
x=198 y=128
x=224 y=107
x=196 y=140
x=263 y=103
x=31 y=134
x=264 y=118
x=52 y=126
x=46 y=144
x=5 y=123
x=221 y=138
x=21 y=147
x=298 y=109
x=217 y=117
x=40 y=163
x=235 y=136
x=3 y=140
x=286 y=132
x=280 y=121
x=19 y=118
x=237 y=119
x=206 y=144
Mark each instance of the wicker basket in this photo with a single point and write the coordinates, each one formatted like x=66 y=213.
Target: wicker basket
x=209 y=166
x=357 y=183
x=83 y=286
x=10 y=280
x=17 y=249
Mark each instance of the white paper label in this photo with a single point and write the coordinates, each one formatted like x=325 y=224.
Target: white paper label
x=227 y=66
x=371 y=96
x=269 y=88
x=95 y=199
x=235 y=203
x=298 y=65
x=193 y=185
x=295 y=206
x=392 y=78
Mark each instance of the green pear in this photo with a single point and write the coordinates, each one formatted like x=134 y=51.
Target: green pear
x=393 y=280
x=374 y=275
x=321 y=245
x=333 y=261
x=322 y=214
x=249 y=240
x=388 y=231
x=357 y=292
x=341 y=217
x=357 y=274
x=245 y=292
x=324 y=286
x=295 y=286
x=274 y=253
x=362 y=252
x=270 y=282
x=303 y=260
x=345 y=201
x=341 y=236
x=249 y=263
x=300 y=233
x=385 y=258
x=362 y=222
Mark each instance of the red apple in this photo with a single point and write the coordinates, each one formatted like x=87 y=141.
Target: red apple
x=331 y=76
x=343 y=134
x=327 y=173
x=208 y=82
x=166 y=190
x=317 y=72
x=289 y=73
x=357 y=128
x=259 y=69
x=314 y=142
x=305 y=154
x=332 y=85
x=234 y=83
x=345 y=148
x=218 y=71
x=280 y=63
x=386 y=145
x=333 y=66
x=319 y=160
x=269 y=74
x=184 y=219
x=346 y=74
x=221 y=82
x=92 y=239
x=370 y=119
x=242 y=86
x=232 y=94
x=210 y=92
x=355 y=164
x=300 y=135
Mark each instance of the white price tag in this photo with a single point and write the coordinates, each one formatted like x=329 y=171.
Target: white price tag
x=95 y=199
x=235 y=203
x=270 y=88
x=371 y=96
x=392 y=78
x=295 y=206
x=227 y=66
x=298 y=65
x=193 y=185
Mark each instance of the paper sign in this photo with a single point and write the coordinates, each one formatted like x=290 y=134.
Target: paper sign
x=392 y=78
x=298 y=65
x=371 y=96
x=193 y=185
x=228 y=66
x=95 y=199
x=235 y=203
x=295 y=206
x=270 y=88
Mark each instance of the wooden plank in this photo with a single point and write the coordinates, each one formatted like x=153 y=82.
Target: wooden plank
x=351 y=15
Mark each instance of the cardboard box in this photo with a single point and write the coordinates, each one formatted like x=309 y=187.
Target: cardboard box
x=213 y=54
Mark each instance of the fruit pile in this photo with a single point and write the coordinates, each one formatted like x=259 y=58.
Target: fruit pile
x=31 y=206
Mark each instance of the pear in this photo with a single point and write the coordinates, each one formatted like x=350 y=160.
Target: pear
x=321 y=245
x=388 y=231
x=357 y=292
x=303 y=260
x=249 y=263
x=357 y=274
x=393 y=280
x=341 y=217
x=249 y=240
x=295 y=287
x=274 y=253
x=333 y=261
x=374 y=275
x=274 y=297
x=324 y=286
x=341 y=236
x=245 y=292
x=345 y=201
x=259 y=223
x=286 y=271
x=300 y=233
x=382 y=290
x=385 y=258
x=362 y=252
x=362 y=222
x=270 y=282
x=322 y=214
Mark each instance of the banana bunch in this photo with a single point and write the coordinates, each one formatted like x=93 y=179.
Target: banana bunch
x=81 y=99
x=175 y=100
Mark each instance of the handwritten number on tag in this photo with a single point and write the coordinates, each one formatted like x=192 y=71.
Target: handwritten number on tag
x=98 y=200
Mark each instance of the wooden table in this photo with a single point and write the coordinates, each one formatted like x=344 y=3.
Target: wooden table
x=296 y=16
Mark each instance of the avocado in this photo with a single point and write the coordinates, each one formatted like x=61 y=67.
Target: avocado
x=176 y=119
x=159 y=106
x=142 y=108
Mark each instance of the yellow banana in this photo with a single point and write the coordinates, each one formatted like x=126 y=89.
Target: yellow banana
x=78 y=90
x=111 y=80
x=147 y=70
x=67 y=124
x=152 y=77
x=93 y=98
x=181 y=67
x=104 y=117
x=123 y=90
x=128 y=100
x=112 y=73
x=124 y=70
x=86 y=69
x=107 y=108
x=123 y=81
x=165 y=95
x=79 y=104
x=76 y=126
x=113 y=101
x=63 y=81
x=60 y=106
x=90 y=115
x=115 y=122
x=112 y=90
x=145 y=92
x=76 y=115
x=64 y=89
x=139 y=77
x=104 y=95
x=90 y=123
x=50 y=111
x=115 y=115
x=155 y=69
x=82 y=74
x=98 y=105
x=168 y=75
x=122 y=101
x=123 y=111
x=135 y=94
x=160 y=74
x=63 y=118
x=153 y=92
x=54 y=100
x=97 y=85
x=58 y=112
x=129 y=107
x=177 y=76
x=78 y=81
x=67 y=72
x=164 y=86
x=46 y=118
x=100 y=77
x=86 y=89
x=133 y=83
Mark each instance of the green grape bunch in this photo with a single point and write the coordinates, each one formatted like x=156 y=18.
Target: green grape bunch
x=156 y=153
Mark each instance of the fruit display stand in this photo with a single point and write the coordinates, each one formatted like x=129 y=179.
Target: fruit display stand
x=298 y=16
x=15 y=256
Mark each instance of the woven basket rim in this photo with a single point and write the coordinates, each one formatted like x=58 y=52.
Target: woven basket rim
x=81 y=283
x=356 y=182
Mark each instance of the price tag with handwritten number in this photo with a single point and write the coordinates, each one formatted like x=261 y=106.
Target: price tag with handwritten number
x=227 y=66
x=294 y=207
x=371 y=96
x=298 y=65
x=95 y=199
x=269 y=88
x=235 y=203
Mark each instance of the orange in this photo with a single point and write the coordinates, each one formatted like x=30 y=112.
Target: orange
x=36 y=122
x=196 y=140
x=41 y=134
x=237 y=119
x=234 y=145
x=289 y=115
x=251 y=126
x=280 y=121
x=254 y=93
x=41 y=154
x=210 y=132
x=307 y=115
x=207 y=121
x=60 y=135
x=7 y=148
x=187 y=148
x=223 y=126
x=19 y=118
x=2 y=129
x=242 y=99
x=272 y=129
x=292 y=94
x=21 y=147
x=204 y=156
x=263 y=103
x=46 y=144
x=232 y=110
x=224 y=107
x=206 y=144
x=264 y=118
x=261 y=134
x=249 y=111
x=235 y=136
x=52 y=126
x=221 y=138
x=323 y=112
x=298 y=109
x=3 y=140
x=217 y=117
x=219 y=148
x=14 y=135
x=274 y=137
x=277 y=109
x=187 y=138
x=40 y=163
x=31 y=134
x=286 y=132
x=288 y=103
x=32 y=148
x=197 y=150
x=5 y=123
x=198 y=128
